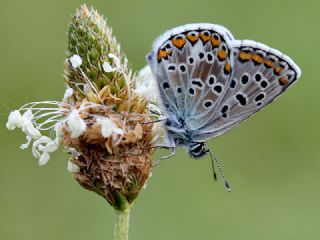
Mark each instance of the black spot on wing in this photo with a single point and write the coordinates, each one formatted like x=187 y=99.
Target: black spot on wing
x=241 y=99
x=165 y=85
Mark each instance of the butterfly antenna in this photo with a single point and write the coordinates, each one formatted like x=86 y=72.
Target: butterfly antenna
x=213 y=169
x=215 y=160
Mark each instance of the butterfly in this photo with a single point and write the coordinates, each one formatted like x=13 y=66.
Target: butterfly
x=209 y=82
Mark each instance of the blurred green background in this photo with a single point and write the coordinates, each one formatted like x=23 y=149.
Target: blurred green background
x=271 y=160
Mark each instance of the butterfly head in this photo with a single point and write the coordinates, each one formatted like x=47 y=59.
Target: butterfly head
x=197 y=150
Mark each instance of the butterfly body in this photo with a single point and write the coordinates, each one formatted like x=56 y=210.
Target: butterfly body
x=209 y=82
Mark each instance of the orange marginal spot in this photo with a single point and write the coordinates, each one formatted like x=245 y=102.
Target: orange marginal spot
x=162 y=54
x=215 y=42
x=179 y=42
x=268 y=63
x=204 y=38
x=222 y=54
x=243 y=56
x=283 y=81
x=256 y=58
x=278 y=70
x=192 y=39
x=227 y=68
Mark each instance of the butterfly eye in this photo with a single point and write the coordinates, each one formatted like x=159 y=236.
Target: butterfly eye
x=197 y=150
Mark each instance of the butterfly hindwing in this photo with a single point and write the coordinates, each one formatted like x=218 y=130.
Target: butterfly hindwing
x=192 y=65
x=260 y=75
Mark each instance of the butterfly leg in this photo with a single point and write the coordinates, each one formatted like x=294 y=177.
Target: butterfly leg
x=155 y=121
x=173 y=152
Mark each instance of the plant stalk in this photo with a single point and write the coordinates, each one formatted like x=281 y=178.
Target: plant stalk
x=121 y=227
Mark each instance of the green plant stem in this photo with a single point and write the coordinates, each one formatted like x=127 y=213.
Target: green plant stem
x=121 y=227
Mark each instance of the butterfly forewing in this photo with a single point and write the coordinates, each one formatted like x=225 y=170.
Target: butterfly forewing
x=260 y=75
x=192 y=65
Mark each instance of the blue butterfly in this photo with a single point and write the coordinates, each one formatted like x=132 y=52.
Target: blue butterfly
x=209 y=82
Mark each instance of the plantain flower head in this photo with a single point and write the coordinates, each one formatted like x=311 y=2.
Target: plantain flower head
x=105 y=119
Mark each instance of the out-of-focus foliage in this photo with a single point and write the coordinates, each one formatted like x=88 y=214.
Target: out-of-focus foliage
x=272 y=160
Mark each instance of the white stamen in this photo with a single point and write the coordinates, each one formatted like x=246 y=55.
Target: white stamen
x=72 y=168
x=28 y=127
x=41 y=149
x=75 y=61
x=77 y=125
x=118 y=131
x=116 y=60
x=108 y=127
x=14 y=120
x=146 y=85
x=160 y=136
x=24 y=122
x=35 y=116
x=121 y=69
x=27 y=116
x=74 y=153
x=31 y=131
x=107 y=67
x=68 y=93
x=27 y=144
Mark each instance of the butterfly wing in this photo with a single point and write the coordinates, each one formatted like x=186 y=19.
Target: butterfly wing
x=188 y=62
x=260 y=75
